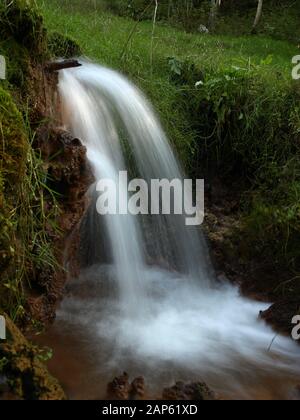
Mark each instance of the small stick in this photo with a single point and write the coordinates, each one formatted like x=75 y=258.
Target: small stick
x=60 y=65
x=272 y=342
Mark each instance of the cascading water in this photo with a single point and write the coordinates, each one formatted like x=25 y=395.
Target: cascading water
x=170 y=319
x=104 y=108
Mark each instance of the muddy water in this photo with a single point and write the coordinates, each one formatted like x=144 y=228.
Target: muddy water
x=77 y=368
x=92 y=343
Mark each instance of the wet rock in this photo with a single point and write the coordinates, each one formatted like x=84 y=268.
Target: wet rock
x=137 y=389
x=280 y=315
x=121 y=388
x=27 y=376
x=197 y=391
x=297 y=393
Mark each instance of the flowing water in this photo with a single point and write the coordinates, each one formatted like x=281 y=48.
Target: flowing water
x=147 y=301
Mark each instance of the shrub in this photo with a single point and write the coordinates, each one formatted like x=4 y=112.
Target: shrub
x=247 y=125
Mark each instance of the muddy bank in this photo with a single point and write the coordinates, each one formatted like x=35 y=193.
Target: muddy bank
x=44 y=176
x=44 y=170
x=70 y=178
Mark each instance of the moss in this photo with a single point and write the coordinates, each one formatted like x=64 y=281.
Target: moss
x=21 y=21
x=17 y=62
x=63 y=46
x=13 y=152
x=14 y=141
x=28 y=209
x=27 y=375
x=23 y=40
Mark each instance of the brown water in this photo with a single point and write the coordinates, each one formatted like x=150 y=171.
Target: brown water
x=85 y=362
x=77 y=368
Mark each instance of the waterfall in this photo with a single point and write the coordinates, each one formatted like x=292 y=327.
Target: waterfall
x=105 y=110
x=151 y=306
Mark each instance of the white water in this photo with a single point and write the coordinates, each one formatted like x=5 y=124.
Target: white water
x=168 y=315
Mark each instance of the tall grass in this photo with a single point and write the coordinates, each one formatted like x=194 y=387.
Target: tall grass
x=29 y=211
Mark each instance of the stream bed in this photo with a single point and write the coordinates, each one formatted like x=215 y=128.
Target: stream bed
x=184 y=334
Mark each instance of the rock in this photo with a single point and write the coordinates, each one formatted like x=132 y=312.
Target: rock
x=137 y=389
x=70 y=176
x=197 y=391
x=280 y=315
x=295 y=395
x=4 y=387
x=203 y=29
x=27 y=376
x=121 y=388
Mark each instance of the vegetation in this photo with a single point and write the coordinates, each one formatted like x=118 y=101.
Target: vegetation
x=24 y=196
x=280 y=18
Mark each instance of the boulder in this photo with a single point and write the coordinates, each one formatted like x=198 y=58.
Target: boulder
x=197 y=391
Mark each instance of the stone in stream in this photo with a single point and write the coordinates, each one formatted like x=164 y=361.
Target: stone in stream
x=121 y=388
x=138 y=388
x=294 y=394
x=197 y=391
x=280 y=315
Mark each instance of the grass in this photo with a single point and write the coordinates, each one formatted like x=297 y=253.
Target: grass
x=103 y=36
x=28 y=210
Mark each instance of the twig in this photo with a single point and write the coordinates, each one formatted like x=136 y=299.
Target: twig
x=60 y=65
x=272 y=342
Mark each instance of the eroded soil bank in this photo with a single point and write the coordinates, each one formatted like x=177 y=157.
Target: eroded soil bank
x=44 y=176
